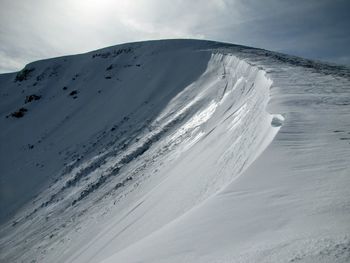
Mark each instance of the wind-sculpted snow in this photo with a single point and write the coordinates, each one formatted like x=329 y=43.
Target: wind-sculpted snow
x=167 y=151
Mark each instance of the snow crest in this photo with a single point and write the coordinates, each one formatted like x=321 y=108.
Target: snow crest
x=204 y=138
x=175 y=151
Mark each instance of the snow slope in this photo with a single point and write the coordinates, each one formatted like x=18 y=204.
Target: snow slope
x=175 y=151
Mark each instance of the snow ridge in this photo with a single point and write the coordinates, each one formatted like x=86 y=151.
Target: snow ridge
x=152 y=139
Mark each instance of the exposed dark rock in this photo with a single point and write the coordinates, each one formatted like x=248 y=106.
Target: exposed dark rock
x=20 y=113
x=32 y=97
x=24 y=74
x=73 y=93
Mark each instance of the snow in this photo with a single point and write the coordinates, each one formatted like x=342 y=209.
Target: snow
x=176 y=151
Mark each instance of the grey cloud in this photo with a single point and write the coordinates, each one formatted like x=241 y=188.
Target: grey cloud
x=30 y=30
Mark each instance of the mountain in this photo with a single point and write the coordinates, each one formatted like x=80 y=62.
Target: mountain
x=175 y=151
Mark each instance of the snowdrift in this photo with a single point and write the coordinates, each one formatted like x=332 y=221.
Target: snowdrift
x=175 y=151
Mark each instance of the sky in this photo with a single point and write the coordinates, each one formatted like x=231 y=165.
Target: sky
x=36 y=29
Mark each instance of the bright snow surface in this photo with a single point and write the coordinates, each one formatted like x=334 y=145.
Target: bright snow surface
x=175 y=151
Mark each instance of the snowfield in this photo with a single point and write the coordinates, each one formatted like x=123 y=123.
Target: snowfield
x=175 y=151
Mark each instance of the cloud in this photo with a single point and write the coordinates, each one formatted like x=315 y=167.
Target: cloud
x=31 y=30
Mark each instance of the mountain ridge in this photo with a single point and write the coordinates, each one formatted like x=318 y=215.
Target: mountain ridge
x=140 y=139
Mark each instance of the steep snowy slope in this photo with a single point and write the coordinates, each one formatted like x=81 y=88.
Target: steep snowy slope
x=175 y=151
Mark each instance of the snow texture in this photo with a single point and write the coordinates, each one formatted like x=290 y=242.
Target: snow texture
x=175 y=151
